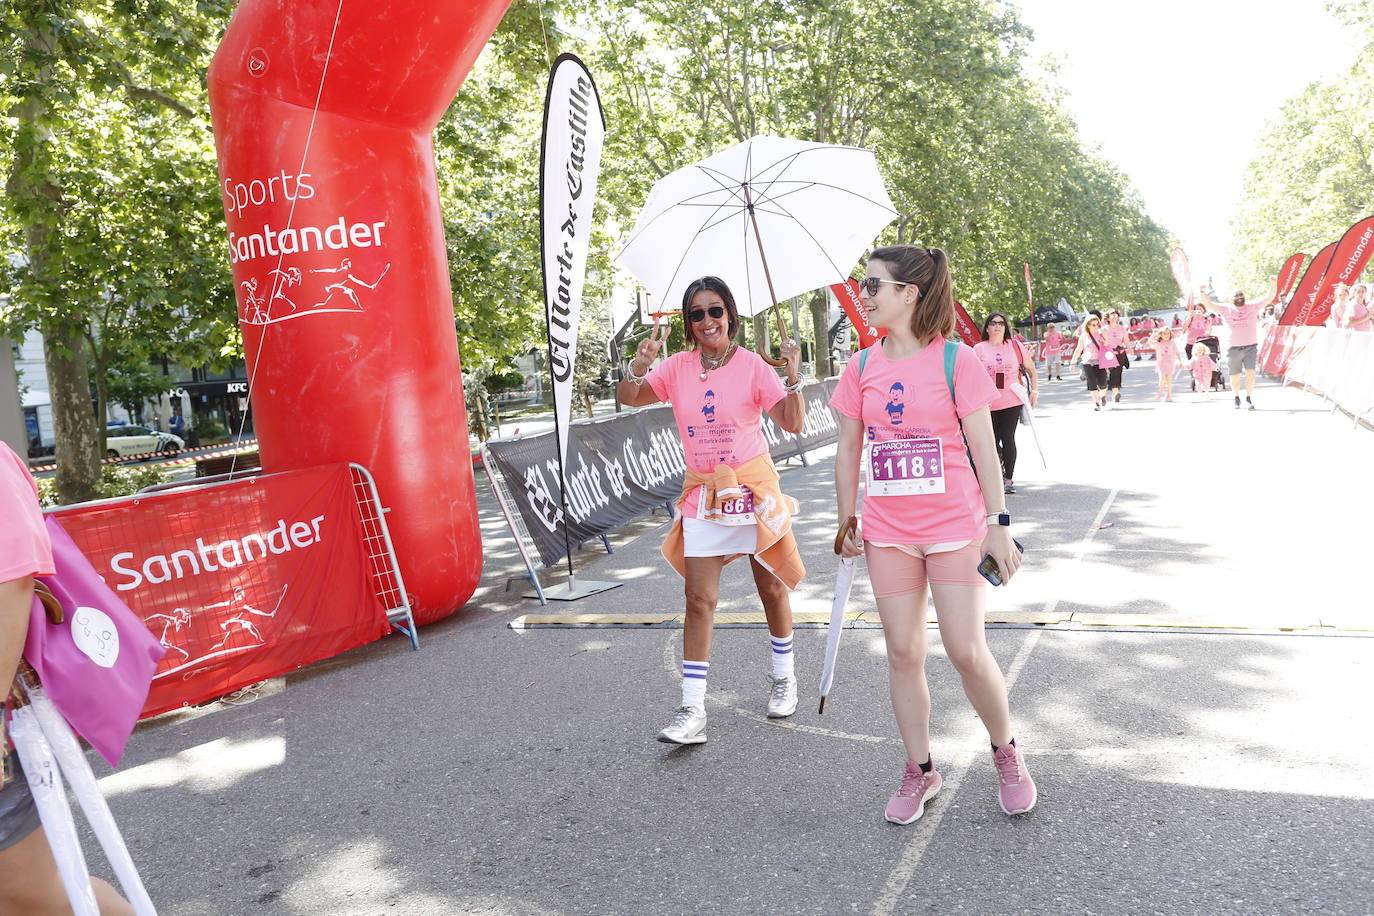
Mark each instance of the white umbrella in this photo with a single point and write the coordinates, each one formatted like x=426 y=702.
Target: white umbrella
x=844 y=579
x=772 y=217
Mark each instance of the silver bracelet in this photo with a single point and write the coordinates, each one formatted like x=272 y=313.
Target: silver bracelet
x=794 y=387
x=630 y=373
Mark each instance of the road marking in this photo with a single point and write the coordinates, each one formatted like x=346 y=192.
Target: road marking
x=975 y=741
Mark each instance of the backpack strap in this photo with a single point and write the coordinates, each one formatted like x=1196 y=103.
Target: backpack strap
x=863 y=360
x=951 y=352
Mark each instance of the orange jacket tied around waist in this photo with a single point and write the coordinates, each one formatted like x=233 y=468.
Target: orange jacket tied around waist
x=776 y=549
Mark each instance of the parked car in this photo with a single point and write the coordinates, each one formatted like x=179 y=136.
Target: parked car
x=139 y=440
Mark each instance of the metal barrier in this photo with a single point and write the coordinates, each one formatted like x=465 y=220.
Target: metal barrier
x=381 y=555
x=523 y=542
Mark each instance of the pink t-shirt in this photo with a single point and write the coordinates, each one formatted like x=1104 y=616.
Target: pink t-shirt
x=1359 y=317
x=1202 y=367
x=1000 y=359
x=1166 y=356
x=720 y=419
x=1054 y=342
x=24 y=546
x=1114 y=335
x=909 y=399
x=1198 y=326
x=1243 y=323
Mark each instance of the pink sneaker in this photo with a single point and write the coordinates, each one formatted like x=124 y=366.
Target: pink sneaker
x=910 y=801
x=1016 y=789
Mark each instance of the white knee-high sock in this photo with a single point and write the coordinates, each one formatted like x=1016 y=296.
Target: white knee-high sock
x=694 y=684
x=782 y=656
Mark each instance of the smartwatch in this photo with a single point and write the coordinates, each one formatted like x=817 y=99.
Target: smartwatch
x=1000 y=518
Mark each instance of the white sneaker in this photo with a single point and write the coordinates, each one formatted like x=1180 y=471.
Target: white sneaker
x=782 y=702
x=688 y=727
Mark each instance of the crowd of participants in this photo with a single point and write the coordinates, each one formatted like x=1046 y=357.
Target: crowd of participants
x=1103 y=346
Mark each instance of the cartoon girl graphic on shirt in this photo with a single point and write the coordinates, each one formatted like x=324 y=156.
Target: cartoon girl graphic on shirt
x=896 y=404
x=708 y=406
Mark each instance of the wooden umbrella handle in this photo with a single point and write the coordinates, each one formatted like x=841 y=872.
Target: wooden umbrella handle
x=845 y=529
x=767 y=275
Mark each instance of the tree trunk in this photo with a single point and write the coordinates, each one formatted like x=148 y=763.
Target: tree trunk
x=64 y=345
x=74 y=426
x=820 y=326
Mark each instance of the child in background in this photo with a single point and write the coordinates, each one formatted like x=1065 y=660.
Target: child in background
x=1202 y=366
x=1166 y=361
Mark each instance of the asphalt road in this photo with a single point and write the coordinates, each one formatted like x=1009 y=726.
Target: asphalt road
x=1216 y=757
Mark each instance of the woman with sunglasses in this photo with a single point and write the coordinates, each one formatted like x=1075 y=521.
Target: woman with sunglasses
x=731 y=503
x=928 y=517
x=1093 y=350
x=1004 y=360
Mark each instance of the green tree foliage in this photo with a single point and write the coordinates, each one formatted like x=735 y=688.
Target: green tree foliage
x=1313 y=172
x=109 y=209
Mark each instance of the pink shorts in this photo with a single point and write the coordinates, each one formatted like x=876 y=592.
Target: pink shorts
x=901 y=571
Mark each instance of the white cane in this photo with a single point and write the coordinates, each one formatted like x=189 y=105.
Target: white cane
x=77 y=769
x=49 y=794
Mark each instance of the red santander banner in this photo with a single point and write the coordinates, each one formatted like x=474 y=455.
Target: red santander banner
x=968 y=331
x=1178 y=262
x=848 y=295
x=1288 y=275
x=1347 y=263
x=241 y=581
x=1305 y=294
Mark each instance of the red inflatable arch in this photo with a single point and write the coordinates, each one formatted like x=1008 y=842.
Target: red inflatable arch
x=323 y=113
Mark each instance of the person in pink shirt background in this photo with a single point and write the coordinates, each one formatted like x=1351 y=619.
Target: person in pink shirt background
x=1201 y=366
x=1115 y=335
x=719 y=392
x=1004 y=361
x=1166 y=361
x=1195 y=326
x=1242 y=320
x=1360 y=317
x=928 y=517
x=1053 y=352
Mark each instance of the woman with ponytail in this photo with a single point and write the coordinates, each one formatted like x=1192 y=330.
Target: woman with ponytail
x=928 y=516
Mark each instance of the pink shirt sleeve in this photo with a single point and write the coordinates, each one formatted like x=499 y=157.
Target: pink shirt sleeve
x=973 y=390
x=24 y=546
x=768 y=388
x=846 y=396
x=663 y=377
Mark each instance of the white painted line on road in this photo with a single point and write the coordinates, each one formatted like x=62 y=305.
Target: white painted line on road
x=911 y=856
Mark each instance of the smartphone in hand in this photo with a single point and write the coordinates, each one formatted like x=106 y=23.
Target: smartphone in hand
x=989 y=570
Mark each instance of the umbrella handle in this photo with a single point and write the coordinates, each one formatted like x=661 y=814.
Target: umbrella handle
x=845 y=529
x=767 y=275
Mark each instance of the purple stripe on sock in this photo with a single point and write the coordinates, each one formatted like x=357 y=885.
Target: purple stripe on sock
x=695 y=677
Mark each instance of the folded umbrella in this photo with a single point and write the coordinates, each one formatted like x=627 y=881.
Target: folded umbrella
x=844 y=580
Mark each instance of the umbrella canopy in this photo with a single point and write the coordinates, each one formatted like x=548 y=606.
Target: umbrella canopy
x=818 y=208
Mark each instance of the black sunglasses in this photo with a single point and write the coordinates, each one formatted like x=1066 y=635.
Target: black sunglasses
x=699 y=315
x=873 y=284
